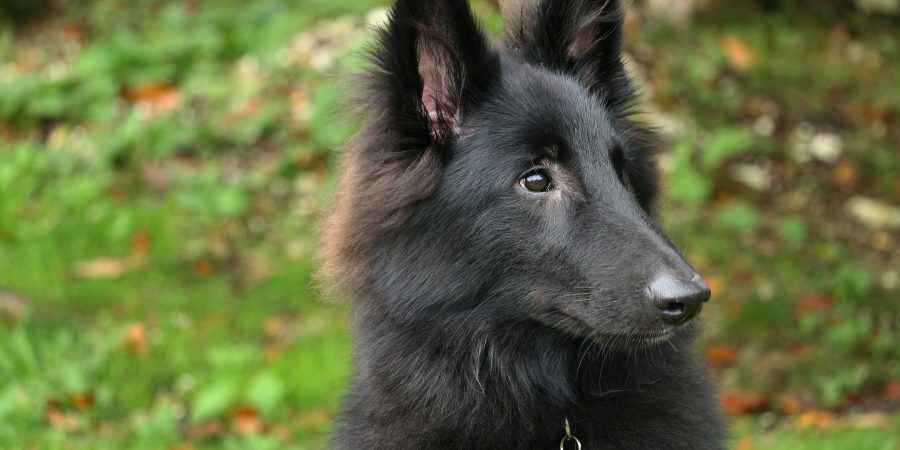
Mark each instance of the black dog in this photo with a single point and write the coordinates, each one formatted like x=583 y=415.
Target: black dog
x=494 y=228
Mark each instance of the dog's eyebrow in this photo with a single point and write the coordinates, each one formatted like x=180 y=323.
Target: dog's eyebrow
x=559 y=151
x=551 y=151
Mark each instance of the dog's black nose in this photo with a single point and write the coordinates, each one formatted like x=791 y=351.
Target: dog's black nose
x=678 y=300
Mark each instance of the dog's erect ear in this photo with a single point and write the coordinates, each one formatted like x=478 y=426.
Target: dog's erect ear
x=580 y=37
x=437 y=64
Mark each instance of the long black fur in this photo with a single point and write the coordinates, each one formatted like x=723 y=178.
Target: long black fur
x=484 y=315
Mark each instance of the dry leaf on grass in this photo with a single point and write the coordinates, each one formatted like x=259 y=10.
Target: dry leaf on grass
x=845 y=174
x=60 y=419
x=246 y=420
x=721 y=355
x=100 y=268
x=203 y=268
x=744 y=443
x=12 y=306
x=815 y=303
x=736 y=403
x=136 y=338
x=82 y=401
x=157 y=98
x=739 y=54
x=814 y=418
x=207 y=430
x=892 y=391
x=789 y=405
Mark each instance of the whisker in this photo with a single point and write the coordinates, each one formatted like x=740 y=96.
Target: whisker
x=669 y=341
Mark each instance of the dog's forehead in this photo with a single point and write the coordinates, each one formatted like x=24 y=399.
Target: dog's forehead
x=537 y=104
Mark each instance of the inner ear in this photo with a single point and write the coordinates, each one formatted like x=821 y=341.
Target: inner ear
x=591 y=32
x=581 y=44
x=596 y=35
x=433 y=65
x=440 y=84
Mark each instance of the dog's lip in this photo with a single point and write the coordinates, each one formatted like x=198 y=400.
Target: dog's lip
x=649 y=338
x=661 y=335
x=643 y=338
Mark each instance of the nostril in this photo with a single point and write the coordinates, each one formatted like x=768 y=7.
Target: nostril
x=674 y=308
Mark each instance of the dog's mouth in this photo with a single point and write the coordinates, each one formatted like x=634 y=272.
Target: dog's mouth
x=639 y=340
x=652 y=339
x=574 y=324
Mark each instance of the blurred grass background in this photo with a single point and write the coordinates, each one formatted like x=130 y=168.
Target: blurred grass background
x=163 y=166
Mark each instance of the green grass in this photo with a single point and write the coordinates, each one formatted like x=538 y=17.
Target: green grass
x=751 y=435
x=163 y=169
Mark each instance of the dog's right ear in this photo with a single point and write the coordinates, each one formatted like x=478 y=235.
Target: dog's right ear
x=582 y=38
x=436 y=64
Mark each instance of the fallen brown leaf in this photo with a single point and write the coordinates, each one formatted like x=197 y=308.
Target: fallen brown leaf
x=75 y=31
x=140 y=242
x=246 y=420
x=100 y=268
x=158 y=98
x=814 y=418
x=851 y=399
x=845 y=174
x=798 y=350
x=12 y=306
x=82 y=401
x=59 y=419
x=721 y=355
x=882 y=241
x=273 y=327
x=892 y=391
x=203 y=268
x=739 y=54
x=744 y=443
x=717 y=285
x=860 y=113
x=207 y=430
x=789 y=405
x=815 y=303
x=136 y=338
x=736 y=403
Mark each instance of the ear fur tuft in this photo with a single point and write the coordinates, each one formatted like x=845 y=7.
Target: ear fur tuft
x=435 y=62
x=579 y=37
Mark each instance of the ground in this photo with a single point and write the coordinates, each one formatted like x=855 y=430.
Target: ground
x=164 y=166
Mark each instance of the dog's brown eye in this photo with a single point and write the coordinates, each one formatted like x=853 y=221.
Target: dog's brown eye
x=536 y=181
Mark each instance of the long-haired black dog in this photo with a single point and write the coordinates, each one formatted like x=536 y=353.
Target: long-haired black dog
x=493 y=226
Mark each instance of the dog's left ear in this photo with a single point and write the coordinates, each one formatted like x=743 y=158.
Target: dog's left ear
x=579 y=37
x=438 y=65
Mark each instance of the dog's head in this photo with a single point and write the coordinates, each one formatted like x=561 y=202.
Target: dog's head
x=509 y=183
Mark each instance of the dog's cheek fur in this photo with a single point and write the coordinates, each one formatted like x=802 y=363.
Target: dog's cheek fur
x=372 y=199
